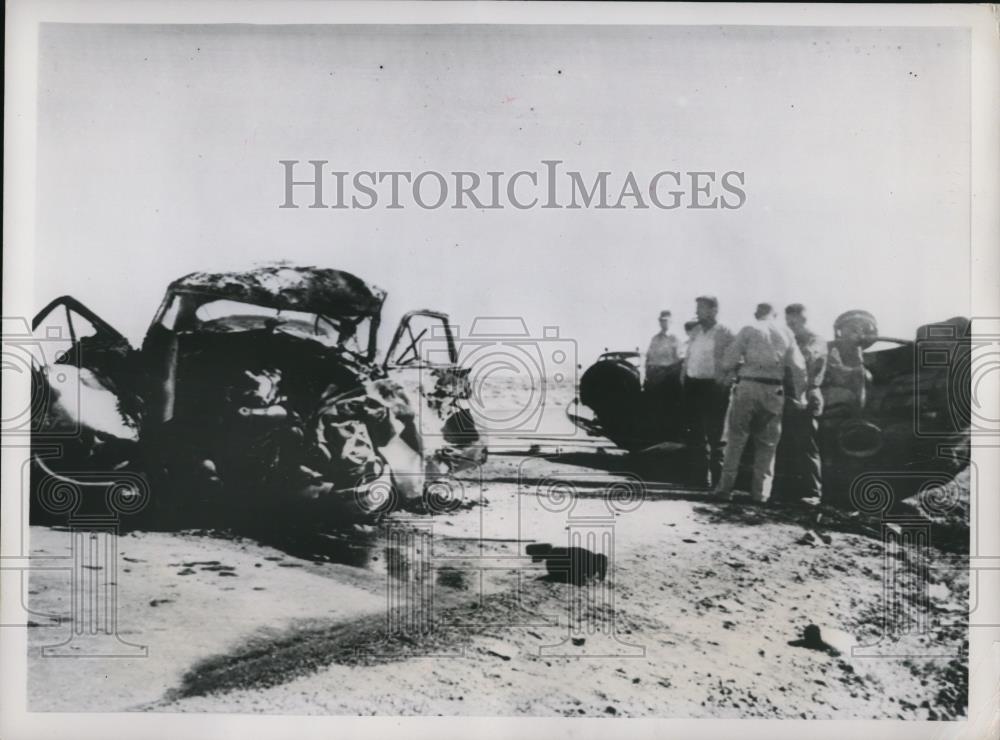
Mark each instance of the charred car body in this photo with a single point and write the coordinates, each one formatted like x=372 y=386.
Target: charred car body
x=903 y=409
x=255 y=388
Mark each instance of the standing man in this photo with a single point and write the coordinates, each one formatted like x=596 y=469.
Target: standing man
x=798 y=466
x=847 y=376
x=706 y=390
x=664 y=351
x=763 y=352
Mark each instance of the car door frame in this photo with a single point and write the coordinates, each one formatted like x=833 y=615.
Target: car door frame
x=48 y=445
x=418 y=362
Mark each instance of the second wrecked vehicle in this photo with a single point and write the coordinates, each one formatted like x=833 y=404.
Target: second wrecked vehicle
x=897 y=408
x=258 y=387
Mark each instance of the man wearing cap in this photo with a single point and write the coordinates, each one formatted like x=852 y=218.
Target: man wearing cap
x=706 y=390
x=664 y=351
x=798 y=469
x=847 y=377
x=762 y=352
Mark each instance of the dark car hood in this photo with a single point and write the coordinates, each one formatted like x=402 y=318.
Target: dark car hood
x=284 y=287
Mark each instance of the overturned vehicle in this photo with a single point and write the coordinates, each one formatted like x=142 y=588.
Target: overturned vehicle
x=252 y=392
x=893 y=407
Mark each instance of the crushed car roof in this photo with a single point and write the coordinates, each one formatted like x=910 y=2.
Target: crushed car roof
x=312 y=289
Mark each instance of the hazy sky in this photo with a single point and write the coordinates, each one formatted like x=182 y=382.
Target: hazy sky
x=158 y=153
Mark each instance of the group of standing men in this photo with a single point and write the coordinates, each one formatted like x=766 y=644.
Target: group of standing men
x=761 y=384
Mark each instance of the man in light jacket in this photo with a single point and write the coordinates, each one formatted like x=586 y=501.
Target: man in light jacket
x=761 y=353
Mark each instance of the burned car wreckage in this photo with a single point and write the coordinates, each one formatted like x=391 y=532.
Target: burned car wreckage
x=895 y=407
x=263 y=391
x=254 y=389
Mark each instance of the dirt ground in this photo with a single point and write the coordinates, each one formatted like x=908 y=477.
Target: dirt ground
x=703 y=612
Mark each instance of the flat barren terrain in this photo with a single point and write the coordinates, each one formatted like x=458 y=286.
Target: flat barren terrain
x=706 y=610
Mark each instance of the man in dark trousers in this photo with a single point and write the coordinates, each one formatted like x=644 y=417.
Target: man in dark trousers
x=706 y=391
x=798 y=469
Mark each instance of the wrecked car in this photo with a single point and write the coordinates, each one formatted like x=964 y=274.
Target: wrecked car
x=904 y=409
x=255 y=388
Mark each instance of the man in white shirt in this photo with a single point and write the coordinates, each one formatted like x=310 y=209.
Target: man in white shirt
x=664 y=352
x=706 y=391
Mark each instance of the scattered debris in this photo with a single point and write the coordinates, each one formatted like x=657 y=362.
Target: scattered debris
x=498 y=649
x=814 y=538
x=833 y=641
x=575 y=565
x=841 y=641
